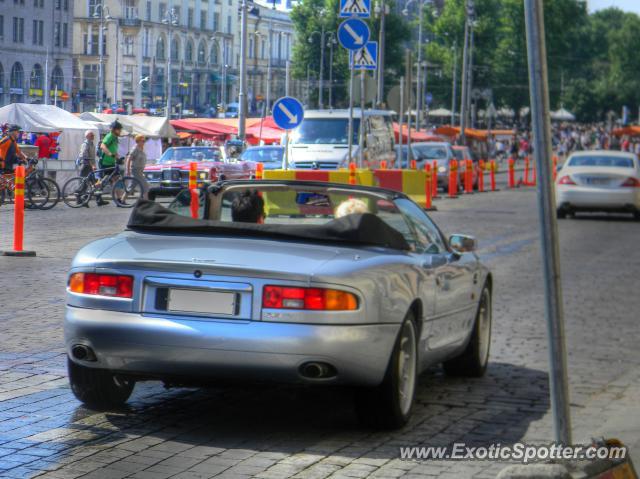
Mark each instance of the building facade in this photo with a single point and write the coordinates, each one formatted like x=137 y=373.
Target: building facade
x=197 y=41
x=36 y=52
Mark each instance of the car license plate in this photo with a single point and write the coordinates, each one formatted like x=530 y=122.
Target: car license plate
x=202 y=302
x=598 y=181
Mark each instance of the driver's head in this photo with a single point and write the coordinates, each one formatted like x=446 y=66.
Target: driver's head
x=350 y=207
x=248 y=207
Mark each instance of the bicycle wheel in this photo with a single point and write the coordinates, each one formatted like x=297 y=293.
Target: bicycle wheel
x=36 y=193
x=126 y=191
x=77 y=192
x=54 y=193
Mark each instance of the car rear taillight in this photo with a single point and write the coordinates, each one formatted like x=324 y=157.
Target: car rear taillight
x=631 y=182
x=317 y=299
x=566 y=180
x=115 y=285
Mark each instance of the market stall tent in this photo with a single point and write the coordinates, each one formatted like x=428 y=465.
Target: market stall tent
x=50 y=119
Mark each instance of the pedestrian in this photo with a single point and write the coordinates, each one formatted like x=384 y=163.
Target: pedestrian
x=108 y=155
x=43 y=142
x=136 y=161
x=86 y=161
x=10 y=153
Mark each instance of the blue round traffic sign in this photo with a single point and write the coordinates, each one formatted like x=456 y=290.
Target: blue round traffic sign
x=288 y=112
x=353 y=34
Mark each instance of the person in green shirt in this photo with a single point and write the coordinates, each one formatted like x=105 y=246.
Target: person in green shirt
x=109 y=154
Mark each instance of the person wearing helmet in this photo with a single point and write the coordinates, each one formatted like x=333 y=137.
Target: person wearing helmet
x=10 y=153
x=109 y=154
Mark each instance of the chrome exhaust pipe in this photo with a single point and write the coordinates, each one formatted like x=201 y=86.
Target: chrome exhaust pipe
x=83 y=352
x=317 y=370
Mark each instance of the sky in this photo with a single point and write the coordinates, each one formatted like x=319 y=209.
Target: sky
x=627 y=5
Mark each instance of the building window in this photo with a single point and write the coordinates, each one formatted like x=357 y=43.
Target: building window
x=18 y=30
x=160 y=49
x=263 y=47
x=251 y=46
x=36 y=81
x=17 y=76
x=38 y=31
x=176 y=11
x=213 y=58
x=95 y=7
x=146 y=42
x=188 y=53
x=127 y=78
x=90 y=78
x=190 y=17
x=216 y=21
x=145 y=80
x=65 y=35
x=147 y=12
x=58 y=4
x=57 y=78
x=18 y=2
x=175 y=49
x=229 y=24
x=65 y=5
x=162 y=11
x=202 y=53
x=56 y=34
x=128 y=45
x=203 y=20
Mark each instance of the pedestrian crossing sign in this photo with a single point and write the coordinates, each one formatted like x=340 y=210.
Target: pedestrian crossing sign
x=355 y=8
x=366 y=58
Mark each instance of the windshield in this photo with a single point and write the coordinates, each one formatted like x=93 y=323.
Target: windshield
x=459 y=154
x=190 y=154
x=264 y=155
x=431 y=152
x=601 y=161
x=323 y=131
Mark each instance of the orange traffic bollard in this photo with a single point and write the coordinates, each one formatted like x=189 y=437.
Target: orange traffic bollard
x=427 y=186
x=525 y=181
x=468 y=177
x=195 y=202
x=453 y=178
x=512 y=173
x=481 y=165
x=259 y=171
x=193 y=175
x=434 y=179
x=414 y=165
x=492 y=175
x=352 y=173
x=18 y=217
x=555 y=167
x=383 y=165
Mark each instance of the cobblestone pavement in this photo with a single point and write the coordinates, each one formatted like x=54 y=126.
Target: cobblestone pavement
x=278 y=432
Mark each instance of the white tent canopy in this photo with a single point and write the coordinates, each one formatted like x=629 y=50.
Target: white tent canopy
x=440 y=112
x=49 y=119
x=562 y=115
x=149 y=126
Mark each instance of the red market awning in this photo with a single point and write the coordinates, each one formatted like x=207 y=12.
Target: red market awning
x=454 y=132
x=204 y=127
x=627 y=130
x=417 y=136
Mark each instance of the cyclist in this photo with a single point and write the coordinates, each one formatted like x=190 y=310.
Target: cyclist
x=108 y=155
x=86 y=161
x=10 y=153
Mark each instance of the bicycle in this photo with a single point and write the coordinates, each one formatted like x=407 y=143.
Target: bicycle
x=39 y=192
x=124 y=190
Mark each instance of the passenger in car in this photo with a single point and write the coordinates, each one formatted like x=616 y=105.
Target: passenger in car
x=351 y=206
x=248 y=207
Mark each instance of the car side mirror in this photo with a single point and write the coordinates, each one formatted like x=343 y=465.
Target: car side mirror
x=462 y=243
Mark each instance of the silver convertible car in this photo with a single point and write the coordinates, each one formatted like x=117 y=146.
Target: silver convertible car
x=287 y=281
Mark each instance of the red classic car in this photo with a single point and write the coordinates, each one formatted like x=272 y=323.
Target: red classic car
x=171 y=173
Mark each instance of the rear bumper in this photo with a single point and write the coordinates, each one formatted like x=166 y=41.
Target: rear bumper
x=167 y=348
x=598 y=198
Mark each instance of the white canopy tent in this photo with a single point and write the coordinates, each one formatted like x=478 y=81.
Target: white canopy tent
x=50 y=119
x=440 y=113
x=562 y=115
x=153 y=127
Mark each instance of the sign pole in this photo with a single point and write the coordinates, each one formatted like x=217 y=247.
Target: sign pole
x=400 y=121
x=286 y=150
x=540 y=120
x=361 y=144
x=350 y=129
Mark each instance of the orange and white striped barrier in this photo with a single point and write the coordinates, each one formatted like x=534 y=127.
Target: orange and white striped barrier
x=434 y=180
x=481 y=167
x=492 y=175
x=512 y=173
x=352 y=174
x=193 y=185
x=468 y=177
x=18 y=217
x=453 y=179
x=259 y=171
x=428 y=194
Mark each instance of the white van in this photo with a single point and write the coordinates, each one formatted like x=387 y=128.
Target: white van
x=321 y=140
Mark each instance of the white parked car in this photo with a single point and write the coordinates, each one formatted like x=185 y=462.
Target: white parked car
x=606 y=181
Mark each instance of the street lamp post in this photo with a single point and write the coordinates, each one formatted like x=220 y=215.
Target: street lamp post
x=382 y=10
x=321 y=73
x=466 y=67
x=170 y=20
x=419 y=98
x=454 y=87
x=242 y=95
x=102 y=13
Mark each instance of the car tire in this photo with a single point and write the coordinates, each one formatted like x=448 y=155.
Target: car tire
x=98 y=388
x=389 y=405
x=561 y=213
x=474 y=359
x=636 y=215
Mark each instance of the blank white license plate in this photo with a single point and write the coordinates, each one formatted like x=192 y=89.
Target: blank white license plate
x=203 y=302
x=598 y=181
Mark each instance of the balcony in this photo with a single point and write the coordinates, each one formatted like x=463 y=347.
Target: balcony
x=130 y=22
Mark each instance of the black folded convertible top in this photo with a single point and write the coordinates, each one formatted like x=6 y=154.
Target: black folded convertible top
x=363 y=229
